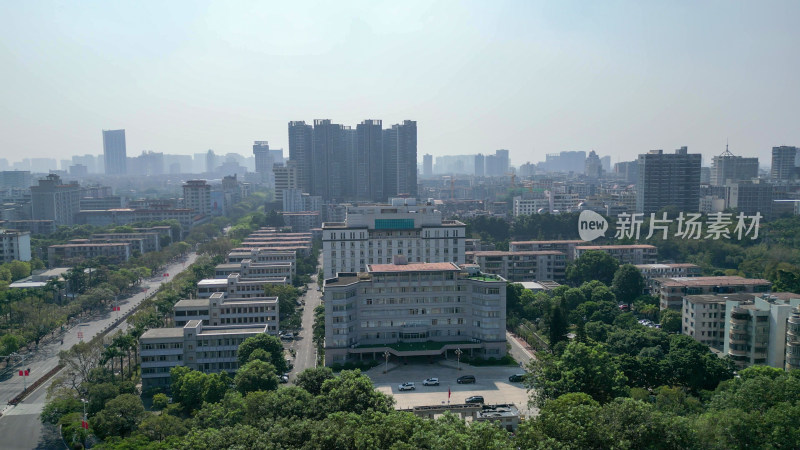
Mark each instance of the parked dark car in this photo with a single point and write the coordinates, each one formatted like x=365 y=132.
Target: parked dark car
x=474 y=399
x=517 y=377
x=464 y=379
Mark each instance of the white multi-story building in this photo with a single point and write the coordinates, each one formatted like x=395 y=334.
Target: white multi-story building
x=566 y=247
x=414 y=309
x=197 y=196
x=625 y=254
x=199 y=347
x=219 y=309
x=150 y=241
x=529 y=206
x=14 y=245
x=653 y=271
x=56 y=254
x=756 y=331
x=670 y=291
x=254 y=270
x=263 y=256
x=703 y=317
x=521 y=266
x=551 y=202
x=236 y=286
x=375 y=234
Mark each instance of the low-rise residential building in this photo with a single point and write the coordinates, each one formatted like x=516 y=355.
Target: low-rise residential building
x=521 y=265
x=703 y=317
x=567 y=247
x=220 y=309
x=150 y=242
x=262 y=256
x=414 y=309
x=670 y=291
x=236 y=286
x=119 y=252
x=199 y=347
x=299 y=249
x=253 y=270
x=34 y=226
x=475 y=245
x=653 y=271
x=625 y=254
x=302 y=221
x=94 y=203
x=15 y=245
x=123 y=216
x=529 y=206
x=756 y=330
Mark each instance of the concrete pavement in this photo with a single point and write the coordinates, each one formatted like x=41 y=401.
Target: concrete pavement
x=491 y=382
x=520 y=350
x=28 y=432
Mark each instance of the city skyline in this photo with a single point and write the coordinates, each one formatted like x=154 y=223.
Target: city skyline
x=534 y=78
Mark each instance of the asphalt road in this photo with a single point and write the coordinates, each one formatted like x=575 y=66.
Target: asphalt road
x=305 y=353
x=19 y=425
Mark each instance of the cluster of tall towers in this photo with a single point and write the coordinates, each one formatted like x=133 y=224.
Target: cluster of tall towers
x=368 y=163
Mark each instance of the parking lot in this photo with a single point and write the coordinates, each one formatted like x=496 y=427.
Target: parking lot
x=491 y=382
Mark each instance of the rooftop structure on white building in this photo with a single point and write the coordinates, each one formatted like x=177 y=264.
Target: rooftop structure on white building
x=414 y=309
x=374 y=234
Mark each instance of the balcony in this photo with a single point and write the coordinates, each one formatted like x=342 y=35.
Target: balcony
x=737 y=340
x=738 y=353
x=739 y=320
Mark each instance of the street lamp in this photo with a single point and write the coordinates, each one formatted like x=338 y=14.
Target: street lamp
x=386 y=355
x=85 y=421
x=458 y=356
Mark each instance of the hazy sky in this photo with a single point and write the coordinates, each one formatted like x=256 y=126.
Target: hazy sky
x=617 y=77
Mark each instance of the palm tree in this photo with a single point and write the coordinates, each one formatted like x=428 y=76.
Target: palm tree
x=109 y=354
x=121 y=344
x=55 y=286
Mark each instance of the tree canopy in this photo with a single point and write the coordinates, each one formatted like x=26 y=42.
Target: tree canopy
x=592 y=265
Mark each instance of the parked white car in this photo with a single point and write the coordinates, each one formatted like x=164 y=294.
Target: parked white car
x=431 y=382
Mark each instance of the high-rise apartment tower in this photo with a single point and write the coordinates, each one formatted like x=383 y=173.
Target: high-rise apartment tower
x=115 y=152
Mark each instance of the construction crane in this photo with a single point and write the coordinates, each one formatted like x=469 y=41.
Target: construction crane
x=513 y=178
